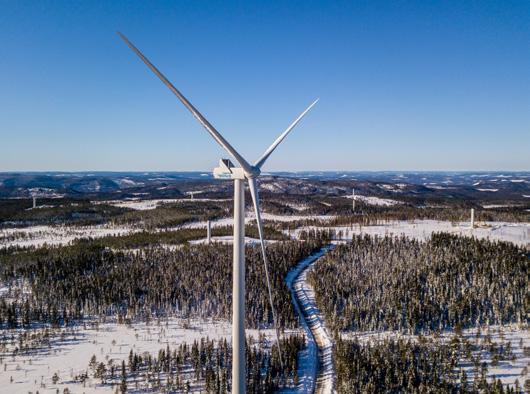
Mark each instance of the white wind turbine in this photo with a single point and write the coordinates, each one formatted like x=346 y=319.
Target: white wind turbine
x=249 y=173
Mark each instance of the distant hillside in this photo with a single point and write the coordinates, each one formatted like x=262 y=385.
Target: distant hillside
x=506 y=186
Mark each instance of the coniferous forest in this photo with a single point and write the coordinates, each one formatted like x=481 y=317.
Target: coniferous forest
x=205 y=363
x=406 y=286
x=389 y=283
x=84 y=280
x=415 y=366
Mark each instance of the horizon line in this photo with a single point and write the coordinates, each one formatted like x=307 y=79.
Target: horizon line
x=263 y=172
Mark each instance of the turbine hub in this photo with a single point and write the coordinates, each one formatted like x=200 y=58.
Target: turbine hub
x=254 y=173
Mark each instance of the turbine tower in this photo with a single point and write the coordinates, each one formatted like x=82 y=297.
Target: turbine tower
x=245 y=173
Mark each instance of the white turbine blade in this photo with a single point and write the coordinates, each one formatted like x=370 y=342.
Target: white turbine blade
x=268 y=152
x=202 y=120
x=255 y=200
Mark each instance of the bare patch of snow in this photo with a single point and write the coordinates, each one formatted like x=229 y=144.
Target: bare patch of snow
x=370 y=200
x=70 y=355
x=518 y=233
x=57 y=235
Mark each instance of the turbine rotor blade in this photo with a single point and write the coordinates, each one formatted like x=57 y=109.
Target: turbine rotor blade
x=255 y=200
x=268 y=152
x=202 y=120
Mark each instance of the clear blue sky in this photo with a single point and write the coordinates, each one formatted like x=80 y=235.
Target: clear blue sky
x=403 y=85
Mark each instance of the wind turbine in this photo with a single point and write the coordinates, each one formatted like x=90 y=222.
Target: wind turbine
x=245 y=173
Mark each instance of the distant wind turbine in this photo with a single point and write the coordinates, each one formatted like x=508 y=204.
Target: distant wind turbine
x=248 y=173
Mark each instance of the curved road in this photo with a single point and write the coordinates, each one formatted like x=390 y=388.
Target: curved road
x=316 y=371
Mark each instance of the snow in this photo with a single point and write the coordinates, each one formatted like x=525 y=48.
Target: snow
x=143 y=205
x=44 y=192
x=139 y=205
x=493 y=206
x=438 y=187
x=370 y=200
x=487 y=190
x=37 y=236
x=297 y=207
x=228 y=239
x=271 y=186
x=125 y=182
x=250 y=217
x=291 y=218
x=70 y=355
x=518 y=233
x=57 y=235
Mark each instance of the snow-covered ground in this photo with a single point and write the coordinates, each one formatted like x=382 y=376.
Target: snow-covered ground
x=494 y=206
x=62 y=235
x=57 y=235
x=143 y=205
x=370 y=200
x=137 y=204
x=295 y=206
x=316 y=370
x=518 y=233
x=508 y=370
x=71 y=353
x=227 y=239
x=251 y=218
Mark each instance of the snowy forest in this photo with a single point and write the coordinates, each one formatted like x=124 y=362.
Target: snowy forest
x=203 y=363
x=69 y=283
x=396 y=283
x=419 y=366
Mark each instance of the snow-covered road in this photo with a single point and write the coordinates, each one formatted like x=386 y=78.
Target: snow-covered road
x=316 y=370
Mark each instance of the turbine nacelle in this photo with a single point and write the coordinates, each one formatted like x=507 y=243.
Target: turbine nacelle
x=227 y=170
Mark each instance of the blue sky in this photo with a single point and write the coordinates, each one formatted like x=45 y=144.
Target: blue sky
x=403 y=85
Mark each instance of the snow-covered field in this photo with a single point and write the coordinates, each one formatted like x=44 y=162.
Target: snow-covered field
x=250 y=218
x=385 y=202
x=518 y=233
x=143 y=205
x=57 y=235
x=495 y=206
x=62 y=235
x=71 y=353
x=227 y=239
